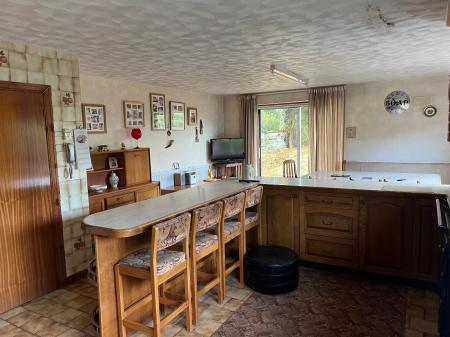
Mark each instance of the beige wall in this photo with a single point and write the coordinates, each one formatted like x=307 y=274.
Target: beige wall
x=406 y=138
x=112 y=93
x=31 y=64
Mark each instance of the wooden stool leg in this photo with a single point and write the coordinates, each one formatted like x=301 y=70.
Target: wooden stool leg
x=120 y=303
x=187 y=296
x=219 y=271
x=194 y=290
x=241 y=256
x=259 y=229
x=162 y=294
x=155 y=305
x=222 y=274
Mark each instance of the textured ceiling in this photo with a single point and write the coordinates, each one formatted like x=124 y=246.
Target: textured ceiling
x=227 y=46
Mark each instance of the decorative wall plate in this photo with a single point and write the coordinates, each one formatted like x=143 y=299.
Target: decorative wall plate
x=397 y=102
x=429 y=111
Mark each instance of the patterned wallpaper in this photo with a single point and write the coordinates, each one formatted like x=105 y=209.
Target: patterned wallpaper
x=30 y=64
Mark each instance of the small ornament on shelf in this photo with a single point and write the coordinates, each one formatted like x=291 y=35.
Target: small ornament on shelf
x=113 y=180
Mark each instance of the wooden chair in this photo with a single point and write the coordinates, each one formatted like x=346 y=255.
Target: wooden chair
x=231 y=229
x=157 y=264
x=206 y=244
x=289 y=169
x=253 y=198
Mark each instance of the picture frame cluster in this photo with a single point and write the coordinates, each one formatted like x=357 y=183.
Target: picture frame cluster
x=95 y=118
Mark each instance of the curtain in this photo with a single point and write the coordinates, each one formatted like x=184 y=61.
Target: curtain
x=249 y=119
x=326 y=128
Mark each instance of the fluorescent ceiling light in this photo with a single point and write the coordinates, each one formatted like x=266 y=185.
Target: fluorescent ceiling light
x=287 y=74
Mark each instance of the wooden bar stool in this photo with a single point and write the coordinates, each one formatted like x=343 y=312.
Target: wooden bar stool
x=157 y=264
x=231 y=228
x=289 y=169
x=206 y=244
x=253 y=198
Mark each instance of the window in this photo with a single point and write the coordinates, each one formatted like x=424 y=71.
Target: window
x=283 y=137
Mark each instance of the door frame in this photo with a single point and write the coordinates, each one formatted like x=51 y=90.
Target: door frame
x=45 y=90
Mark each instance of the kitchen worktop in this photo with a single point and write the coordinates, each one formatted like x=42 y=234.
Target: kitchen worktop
x=133 y=219
x=413 y=183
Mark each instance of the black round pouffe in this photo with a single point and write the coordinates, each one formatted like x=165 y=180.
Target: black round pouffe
x=271 y=269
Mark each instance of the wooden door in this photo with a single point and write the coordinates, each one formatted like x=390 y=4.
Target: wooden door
x=385 y=235
x=425 y=252
x=137 y=164
x=31 y=245
x=281 y=218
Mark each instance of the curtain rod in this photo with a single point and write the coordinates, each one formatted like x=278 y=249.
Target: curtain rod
x=293 y=90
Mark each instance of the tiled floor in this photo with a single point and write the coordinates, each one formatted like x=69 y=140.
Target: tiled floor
x=66 y=313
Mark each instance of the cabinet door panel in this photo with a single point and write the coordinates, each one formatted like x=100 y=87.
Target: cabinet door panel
x=282 y=218
x=147 y=193
x=386 y=233
x=425 y=254
x=96 y=205
x=137 y=167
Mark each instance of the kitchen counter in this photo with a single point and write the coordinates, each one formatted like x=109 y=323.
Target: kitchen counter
x=135 y=218
x=414 y=183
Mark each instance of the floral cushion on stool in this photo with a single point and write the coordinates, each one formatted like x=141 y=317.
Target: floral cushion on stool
x=251 y=217
x=167 y=260
x=231 y=226
x=204 y=240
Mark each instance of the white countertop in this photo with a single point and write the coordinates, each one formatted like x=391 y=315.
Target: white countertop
x=391 y=177
x=133 y=219
x=427 y=182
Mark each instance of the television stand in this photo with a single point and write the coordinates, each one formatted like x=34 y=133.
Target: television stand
x=228 y=169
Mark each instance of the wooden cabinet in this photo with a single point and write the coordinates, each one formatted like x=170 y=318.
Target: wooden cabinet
x=425 y=252
x=115 y=198
x=134 y=171
x=280 y=209
x=329 y=228
x=386 y=231
x=137 y=167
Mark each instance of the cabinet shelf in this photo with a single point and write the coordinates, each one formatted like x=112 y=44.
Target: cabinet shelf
x=103 y=170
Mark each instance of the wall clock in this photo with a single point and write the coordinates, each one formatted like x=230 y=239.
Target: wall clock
x=429 y=111
x=397 y=102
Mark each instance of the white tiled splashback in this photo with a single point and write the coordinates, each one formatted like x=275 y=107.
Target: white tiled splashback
x=165 y=178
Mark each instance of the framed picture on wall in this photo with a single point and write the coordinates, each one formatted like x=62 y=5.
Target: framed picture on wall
x=192 y=116
x=177 y=115
x=133 y=114
x=158 y=111
x=94 y=118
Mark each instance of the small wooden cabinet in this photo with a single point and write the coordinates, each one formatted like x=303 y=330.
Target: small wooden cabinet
x=386 y=232
x=280 y=217
x=134 y=171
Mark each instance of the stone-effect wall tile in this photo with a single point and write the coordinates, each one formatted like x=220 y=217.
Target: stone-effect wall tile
x=48 y=52
x=76 y=85
x=5 y=74
x=52 y=80
x=13 y=46
x=50 y=66
x=75 y=68
x=57 y=114
x=18 y=75
x=34 y=63
x=17 y=61
x=35 y=77
x=65 y=68
x=65 y=83
x=64 y=55
x=68 y=114
x=4 y=58
x=35 y=50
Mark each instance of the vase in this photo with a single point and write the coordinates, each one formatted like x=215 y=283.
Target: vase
x=247 y=172
x=113 y=180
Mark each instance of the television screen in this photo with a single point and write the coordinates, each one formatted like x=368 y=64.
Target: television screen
x=225 y=149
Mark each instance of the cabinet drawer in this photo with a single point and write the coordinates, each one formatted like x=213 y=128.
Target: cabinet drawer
x=120 y=200
x=330 y=224
x=147 y=193
x=328 y=200
x=339 y=252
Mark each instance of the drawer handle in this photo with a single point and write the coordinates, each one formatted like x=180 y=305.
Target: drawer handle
x=328 y=251
x=327 y=223
x=327 y=202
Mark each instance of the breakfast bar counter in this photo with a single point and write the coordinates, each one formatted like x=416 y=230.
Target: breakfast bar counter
x=123 y=230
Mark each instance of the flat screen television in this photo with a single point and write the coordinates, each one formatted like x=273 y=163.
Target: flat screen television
x=227 y=149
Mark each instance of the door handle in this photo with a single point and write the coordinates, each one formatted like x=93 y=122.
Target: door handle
x=327 y=223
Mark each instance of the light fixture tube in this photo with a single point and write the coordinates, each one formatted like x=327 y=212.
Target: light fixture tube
x=287 y=74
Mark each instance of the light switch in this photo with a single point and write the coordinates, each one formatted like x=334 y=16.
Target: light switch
x=350 y=132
